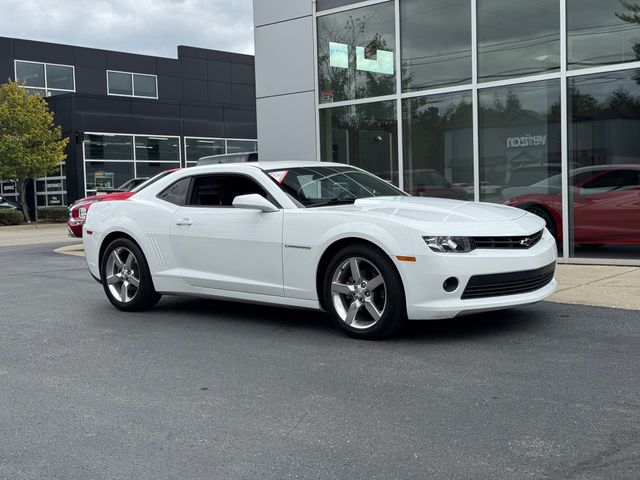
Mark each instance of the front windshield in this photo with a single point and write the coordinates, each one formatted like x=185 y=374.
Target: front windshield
x=153 y=180
x=318 y=186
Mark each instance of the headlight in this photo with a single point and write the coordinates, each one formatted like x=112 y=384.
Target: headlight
x=450 y=244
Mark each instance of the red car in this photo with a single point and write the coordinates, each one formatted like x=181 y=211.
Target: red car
x=605 y=204
x=78 y=209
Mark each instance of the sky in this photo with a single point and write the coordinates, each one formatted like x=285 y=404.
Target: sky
x=151 y=27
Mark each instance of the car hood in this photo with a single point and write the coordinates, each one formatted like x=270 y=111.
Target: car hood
x=448 y=216
x=101 y=198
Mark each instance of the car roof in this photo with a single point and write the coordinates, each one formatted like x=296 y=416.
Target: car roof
x=263 y=165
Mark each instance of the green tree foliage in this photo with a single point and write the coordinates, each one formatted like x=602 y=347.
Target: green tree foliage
x=31 y=146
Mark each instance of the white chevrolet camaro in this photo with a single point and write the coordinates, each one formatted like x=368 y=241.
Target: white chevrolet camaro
x=319 y=236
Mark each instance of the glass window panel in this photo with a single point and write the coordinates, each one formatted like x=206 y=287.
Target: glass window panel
x=55 y=185
x=108 y=147
x=59 y=77
x=144 y=86
x=517 y=38
x=107 y=174
x=520 y=148
x=356 y=52
x=436 y=43
x=41 y=186
x=151 y=169
x=119 y=83
x=438 y=146
x=604 y=170
x=157 y=148
x=55 y=200
x=327 y=4
x=362 y=135
x=51 y=93
x=601 y=32
x=30 y=74
x=36 y=91
x=41 y=200
x=203 y=147
x=241 y=146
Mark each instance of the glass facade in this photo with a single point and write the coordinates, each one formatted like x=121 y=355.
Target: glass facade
x=196 y=148
x=483 y=118
x=45 y=79
x=131 y=84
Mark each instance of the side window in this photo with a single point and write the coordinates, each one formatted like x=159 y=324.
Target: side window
x=220 y=190
x=615 y=180
x=176 y=193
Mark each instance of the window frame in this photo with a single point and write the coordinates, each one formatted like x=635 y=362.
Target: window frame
x=132 y=83
x=46 y=88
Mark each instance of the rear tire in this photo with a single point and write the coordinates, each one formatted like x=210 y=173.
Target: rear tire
x=363 y=293
x=126 y=278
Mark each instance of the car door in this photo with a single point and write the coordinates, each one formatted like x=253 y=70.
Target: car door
x=606 y=209
x=221 y=247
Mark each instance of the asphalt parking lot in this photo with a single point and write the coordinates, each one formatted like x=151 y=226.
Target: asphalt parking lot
x=200 y=389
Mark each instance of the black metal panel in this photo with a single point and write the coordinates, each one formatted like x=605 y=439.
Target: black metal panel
x=199 y=128
x=107 y=123
x=6 y=48
x=240 y=123
x=243 y=95
x=90 y=58
x=168 y=67
x=156 y=126
x=219 y=92
x=241 y=58
x=43 y=52
x=91 y=80
x=6 y=69
x=169 y=88
x=218 y=71
x=129 y=62
x=217 y=55
x=195 y=68
x=202 y=112
x=243 y=74
x=154 y=108
x=184 y=51
x=106 y=105
x=194 y=90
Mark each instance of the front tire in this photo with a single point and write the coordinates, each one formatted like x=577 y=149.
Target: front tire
x=126 y=278
x=363 y=293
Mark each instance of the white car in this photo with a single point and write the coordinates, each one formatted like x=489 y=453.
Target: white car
x=319 y=236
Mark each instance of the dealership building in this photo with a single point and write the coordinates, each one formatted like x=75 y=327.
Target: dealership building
x=534 y=104
x=131 y=115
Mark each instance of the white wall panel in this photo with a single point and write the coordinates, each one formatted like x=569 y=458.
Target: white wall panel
x=286 y=127
x=272 y=11
x=284 y=57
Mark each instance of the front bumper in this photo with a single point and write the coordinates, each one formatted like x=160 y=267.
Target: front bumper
x=424 y=279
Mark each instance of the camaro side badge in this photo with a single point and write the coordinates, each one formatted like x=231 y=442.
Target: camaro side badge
x=299 y=247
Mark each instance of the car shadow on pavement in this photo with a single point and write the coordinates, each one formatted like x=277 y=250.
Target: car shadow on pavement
x=498 y=323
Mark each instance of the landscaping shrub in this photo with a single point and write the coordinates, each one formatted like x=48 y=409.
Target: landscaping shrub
x=52 y=214
x=11 y=217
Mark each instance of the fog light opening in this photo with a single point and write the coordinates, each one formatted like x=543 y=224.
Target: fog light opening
x=450 y=284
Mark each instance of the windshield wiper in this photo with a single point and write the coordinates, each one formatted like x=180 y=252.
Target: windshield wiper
x=333 y=201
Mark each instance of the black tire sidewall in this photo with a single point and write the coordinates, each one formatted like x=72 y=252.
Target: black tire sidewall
x=395 y=310
x=146 y=297
x=546 y=216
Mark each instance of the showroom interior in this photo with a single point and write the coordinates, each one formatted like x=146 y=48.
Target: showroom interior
x=130 y=115
x=530 y=104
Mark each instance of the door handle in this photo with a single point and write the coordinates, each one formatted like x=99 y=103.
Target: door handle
x=185 y=222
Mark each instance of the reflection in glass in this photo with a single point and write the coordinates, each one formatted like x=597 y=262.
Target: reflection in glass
x=144 y=86
x=241 y=146
x=362 y=135
x=151 y=169
x=602 y=32
x=30 y=74
x=517 y=38
x=604 y=153
x=108 y=147
x=519 y=140
x=438 y=146
x=436 y=43
x=157 y=148
x=203 y=147
x=327 y=4
x=356 y=51
x=119 y=83
x=107 y=174
x=59 y=77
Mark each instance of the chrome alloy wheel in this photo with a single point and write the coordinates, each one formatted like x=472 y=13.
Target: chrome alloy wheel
x=123 y=274
x=358 y=293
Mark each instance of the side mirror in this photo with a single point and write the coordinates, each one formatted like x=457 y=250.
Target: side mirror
x=254 y=201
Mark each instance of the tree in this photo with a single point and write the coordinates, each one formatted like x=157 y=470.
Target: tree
x=31 y=146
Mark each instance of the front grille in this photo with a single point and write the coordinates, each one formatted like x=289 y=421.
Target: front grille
x=501 y=284
x=523 y=242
